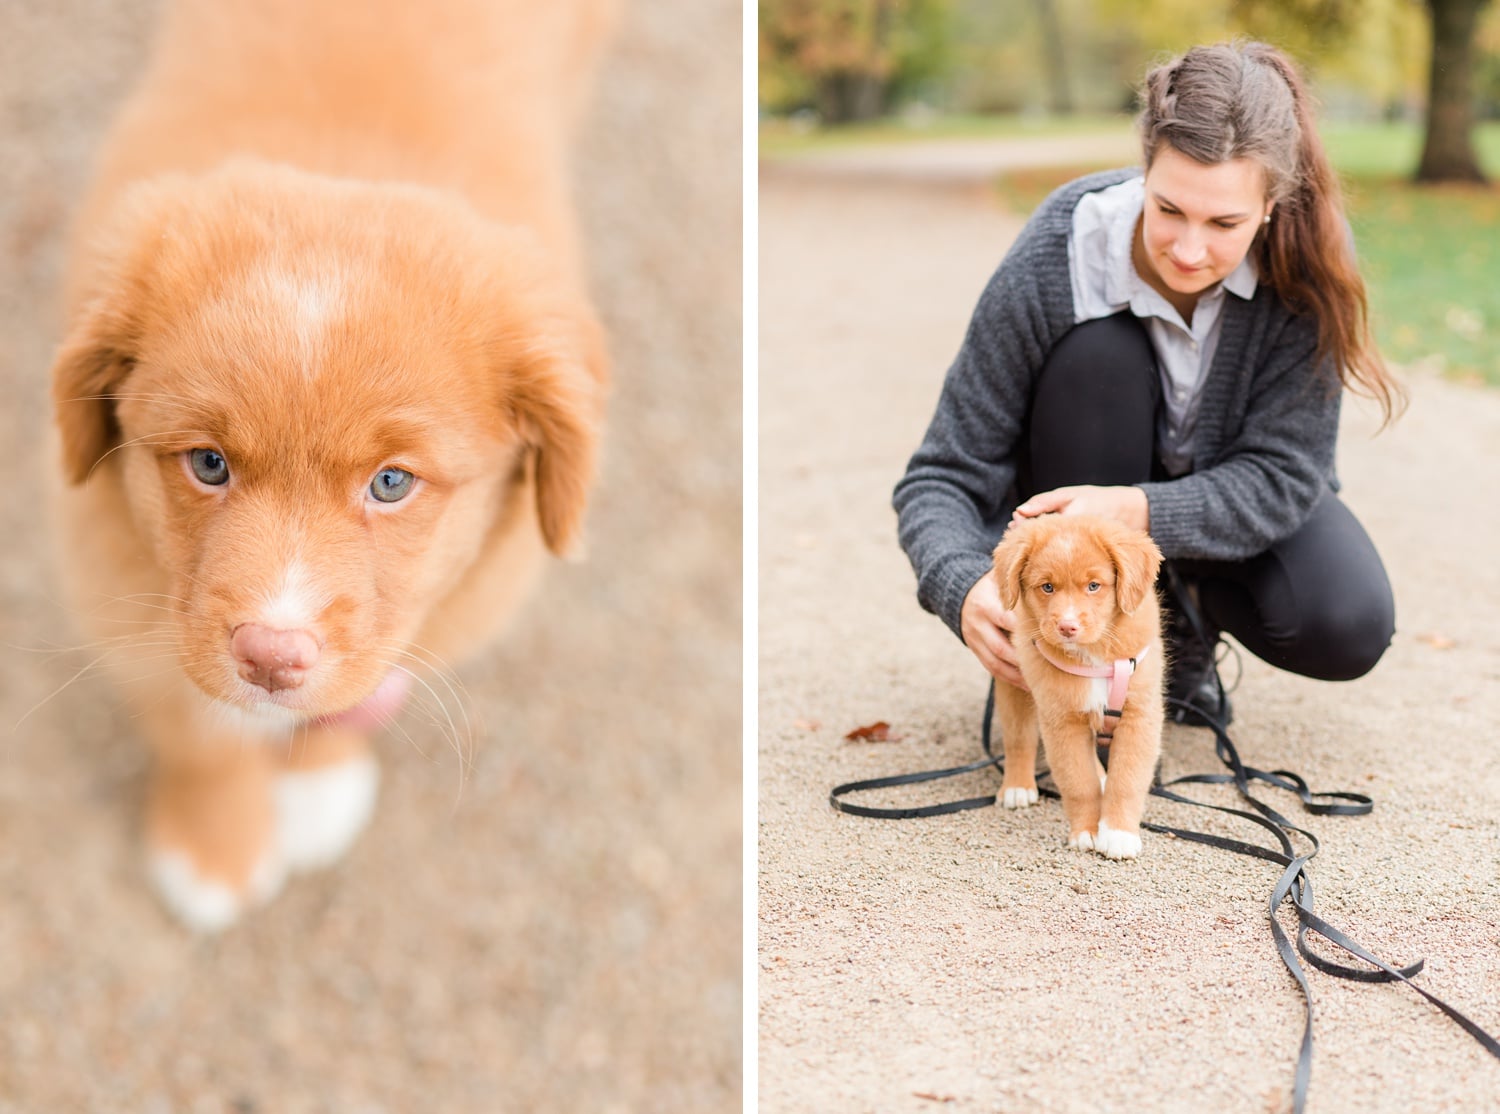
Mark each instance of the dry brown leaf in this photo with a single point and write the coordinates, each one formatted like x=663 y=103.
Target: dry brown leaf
x=879 y=732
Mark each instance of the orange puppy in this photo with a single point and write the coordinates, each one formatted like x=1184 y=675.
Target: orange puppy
x=1088 y=641
x=331 y=389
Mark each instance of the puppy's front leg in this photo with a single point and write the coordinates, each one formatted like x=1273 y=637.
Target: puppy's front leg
x=1132 y=766
x=325 y=788
x=1069 y=742
x=1018 y=733
x=210 y=829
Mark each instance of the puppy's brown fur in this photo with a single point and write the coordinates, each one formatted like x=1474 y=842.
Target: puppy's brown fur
x=327 y=238
x=1086 y=587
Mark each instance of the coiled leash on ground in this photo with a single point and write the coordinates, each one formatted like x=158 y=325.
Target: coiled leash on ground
x=1294 y=885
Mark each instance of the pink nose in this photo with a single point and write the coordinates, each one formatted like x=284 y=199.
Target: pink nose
x=1068 y=628
x=273 y=659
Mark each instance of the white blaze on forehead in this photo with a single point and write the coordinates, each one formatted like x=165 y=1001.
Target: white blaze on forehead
x=308 y=305
x=295 y=603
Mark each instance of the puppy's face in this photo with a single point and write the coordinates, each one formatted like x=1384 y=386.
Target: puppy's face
x=1074 y=577
x=320 y=398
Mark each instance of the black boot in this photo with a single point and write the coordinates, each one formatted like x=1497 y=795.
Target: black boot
x=1192 y=671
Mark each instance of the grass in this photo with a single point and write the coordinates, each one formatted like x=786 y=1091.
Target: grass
x=1431 y=262
x=1430 y=254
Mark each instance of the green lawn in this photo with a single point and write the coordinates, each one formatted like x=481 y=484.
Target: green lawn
x=1432 y=264
x=1430 y=255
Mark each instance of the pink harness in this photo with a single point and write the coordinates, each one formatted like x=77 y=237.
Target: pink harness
x=1118 y=672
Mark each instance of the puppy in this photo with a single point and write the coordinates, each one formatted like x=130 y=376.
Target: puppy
x=1083 y=591
x=330 y=390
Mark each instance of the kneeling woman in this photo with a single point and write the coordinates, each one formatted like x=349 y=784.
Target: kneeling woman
x=1169 y=350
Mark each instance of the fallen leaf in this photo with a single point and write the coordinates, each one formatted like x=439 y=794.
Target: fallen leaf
x=806 y=724
x=1436 y=641
x=872 y=733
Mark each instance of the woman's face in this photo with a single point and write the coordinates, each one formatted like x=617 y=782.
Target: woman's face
x=1199 y=221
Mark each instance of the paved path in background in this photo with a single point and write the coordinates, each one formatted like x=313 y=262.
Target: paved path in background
x=962 y=161
x=972 y=962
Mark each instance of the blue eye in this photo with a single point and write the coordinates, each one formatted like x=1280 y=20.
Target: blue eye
x=1047 y=589
x=210 y=467
x=391 y=485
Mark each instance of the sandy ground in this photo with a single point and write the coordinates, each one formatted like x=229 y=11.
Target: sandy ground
x=972 y=962
x=561 y=931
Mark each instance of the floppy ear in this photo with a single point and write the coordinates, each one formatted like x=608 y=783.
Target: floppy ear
x=1136 y=561
x=114 y=294
x=557 y=395
x=90 y=368
x=1010 y=562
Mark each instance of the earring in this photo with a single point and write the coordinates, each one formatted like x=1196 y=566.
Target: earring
x=1268 y=219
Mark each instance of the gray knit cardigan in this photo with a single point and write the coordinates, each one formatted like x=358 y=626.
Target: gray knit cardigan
x=1265 y=435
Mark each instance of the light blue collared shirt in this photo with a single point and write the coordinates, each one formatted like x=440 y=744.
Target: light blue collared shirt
x=1105 y=282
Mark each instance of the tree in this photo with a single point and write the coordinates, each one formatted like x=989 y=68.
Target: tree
x=1307 y=29
x=847 y=57
x=1448 y=150
x=1057 y=62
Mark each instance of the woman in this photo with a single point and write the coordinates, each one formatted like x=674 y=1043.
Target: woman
x=1169 y=350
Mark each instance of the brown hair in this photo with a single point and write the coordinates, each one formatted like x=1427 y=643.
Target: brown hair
x=1246 y=100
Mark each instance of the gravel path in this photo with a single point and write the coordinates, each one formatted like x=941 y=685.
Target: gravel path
x=972 y=962
x=560 y=930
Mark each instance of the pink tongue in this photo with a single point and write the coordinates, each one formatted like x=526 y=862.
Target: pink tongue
x=377 y=709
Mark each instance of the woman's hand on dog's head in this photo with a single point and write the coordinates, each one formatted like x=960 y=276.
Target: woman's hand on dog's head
x=1122 y=504
x=986 y=626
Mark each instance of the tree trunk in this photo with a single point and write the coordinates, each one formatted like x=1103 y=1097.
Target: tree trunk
x=1448 y=151
x=847 y=96
x=861 y=92
x=1056 y=58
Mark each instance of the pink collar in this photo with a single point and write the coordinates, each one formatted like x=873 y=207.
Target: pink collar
x=1119 y=672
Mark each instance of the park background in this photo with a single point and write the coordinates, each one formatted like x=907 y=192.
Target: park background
x=843 y=72
x=970 y=962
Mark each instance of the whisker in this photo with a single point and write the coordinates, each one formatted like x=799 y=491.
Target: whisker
x=149 y=438
x=452 y=727
x=130 y=396
x=391 y=722
x=109 y=641
x=60 y=688
x=445 y=673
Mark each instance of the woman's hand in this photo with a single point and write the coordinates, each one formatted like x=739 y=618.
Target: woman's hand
x=986 y=629
x=1123 y=504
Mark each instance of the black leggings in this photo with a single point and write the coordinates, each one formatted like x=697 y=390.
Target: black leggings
x=1316 y=603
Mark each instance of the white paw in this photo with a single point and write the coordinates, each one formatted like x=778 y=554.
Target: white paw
x=1019 y=798
x=320 y=812
x=1081 y=841
x=205 y=904
x=1114 y=844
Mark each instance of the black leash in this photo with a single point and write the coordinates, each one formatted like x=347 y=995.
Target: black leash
x=835 y=797
x=1294 y=885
